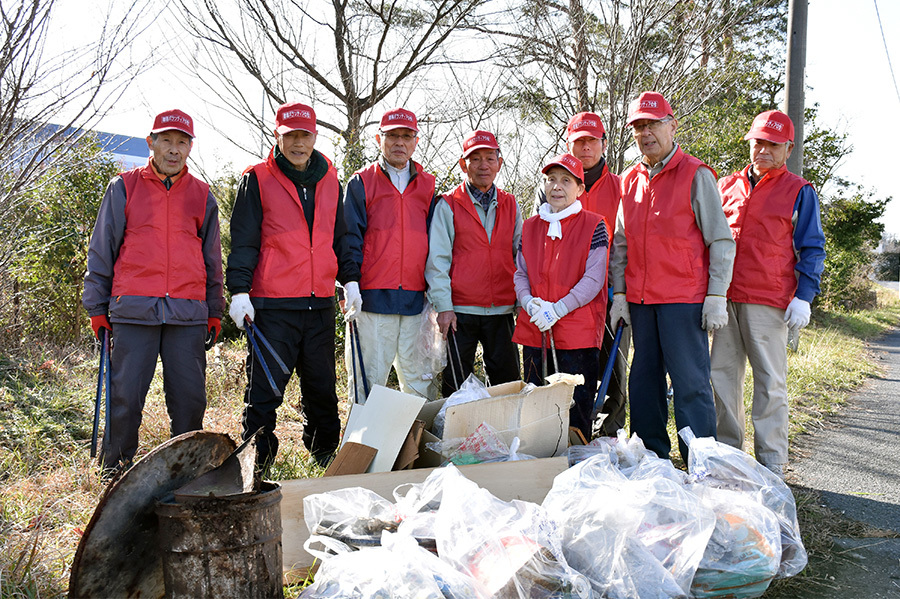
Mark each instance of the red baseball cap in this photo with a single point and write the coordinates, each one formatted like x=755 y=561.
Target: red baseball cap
x=478 y=140
x=173 y=119
x=649 y=105
x=294 y=116
x=772 y=125
x=398 y=118
x=585 y=124
x=568 y=162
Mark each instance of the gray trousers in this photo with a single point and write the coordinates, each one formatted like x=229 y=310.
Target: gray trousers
x=132 y=364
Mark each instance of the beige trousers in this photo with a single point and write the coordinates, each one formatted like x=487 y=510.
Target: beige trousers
x=386 y=340
x=757 y=333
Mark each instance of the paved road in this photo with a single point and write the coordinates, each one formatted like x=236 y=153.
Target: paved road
x=856 y=465
x=889 y=284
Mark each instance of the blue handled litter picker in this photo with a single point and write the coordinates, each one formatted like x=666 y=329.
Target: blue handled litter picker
x=356 y=355
x=607 y=372
x=102 y=379
x=253 y=333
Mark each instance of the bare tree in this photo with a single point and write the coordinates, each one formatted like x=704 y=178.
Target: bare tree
x=47 y=101
x=598 y=55
x=345 y=57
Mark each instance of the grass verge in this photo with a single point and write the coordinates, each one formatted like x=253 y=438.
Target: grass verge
x=50 y=485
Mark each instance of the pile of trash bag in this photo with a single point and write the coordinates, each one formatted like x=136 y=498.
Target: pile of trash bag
x=619 y=523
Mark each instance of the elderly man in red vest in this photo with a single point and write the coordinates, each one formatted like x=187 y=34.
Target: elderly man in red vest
x=774 y=218
x=387 y=208
x=287 y=249
x=155 y=249
x=671 y=266
x=475 y=232
x=586 y=140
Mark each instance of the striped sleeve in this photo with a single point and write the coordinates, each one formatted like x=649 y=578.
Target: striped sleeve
x=600 y=238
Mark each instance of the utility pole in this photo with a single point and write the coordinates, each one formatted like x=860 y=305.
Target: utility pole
x=795 y=93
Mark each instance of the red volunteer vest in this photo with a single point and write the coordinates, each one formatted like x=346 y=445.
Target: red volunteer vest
x=395 y=246
x=603 y=199
x=668 y=261
x=554 y=267
x=482 y=270
x=760 y=220
x=291 y=262
x=162 y=253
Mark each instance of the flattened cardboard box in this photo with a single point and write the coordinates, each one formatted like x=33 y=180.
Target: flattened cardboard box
x=539 y=417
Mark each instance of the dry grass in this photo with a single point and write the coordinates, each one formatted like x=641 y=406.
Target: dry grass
x=50 y=485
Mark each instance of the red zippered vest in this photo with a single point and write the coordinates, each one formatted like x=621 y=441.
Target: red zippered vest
x=481 y=273
x=554 y=267
x=603 y=198
x=162 y=253
x=760 y=221
x=291 y=262
x=395 y=245
x=668 y=261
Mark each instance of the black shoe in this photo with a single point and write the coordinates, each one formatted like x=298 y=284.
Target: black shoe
x=323 y=459
x=111 y=473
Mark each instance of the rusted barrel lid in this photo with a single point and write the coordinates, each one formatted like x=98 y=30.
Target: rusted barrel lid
x=118 y=555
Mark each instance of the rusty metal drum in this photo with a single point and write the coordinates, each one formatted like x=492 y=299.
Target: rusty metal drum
x=227 y=548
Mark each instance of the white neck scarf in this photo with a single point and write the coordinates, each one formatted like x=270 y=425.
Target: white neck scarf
x=554 y=231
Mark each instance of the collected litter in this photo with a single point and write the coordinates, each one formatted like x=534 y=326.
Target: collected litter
x=482 y=446
x=619 y=523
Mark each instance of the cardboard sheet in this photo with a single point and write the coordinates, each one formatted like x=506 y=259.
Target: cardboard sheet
x=383 y=423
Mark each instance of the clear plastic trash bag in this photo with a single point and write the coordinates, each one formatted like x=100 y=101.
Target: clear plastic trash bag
x=398 y=569
x=431 y=347
x=511 y=548
x=641 y=538
x=483 y=445
x=744 y=552
x=721 y=466
x=355 y=517
x=472 y=389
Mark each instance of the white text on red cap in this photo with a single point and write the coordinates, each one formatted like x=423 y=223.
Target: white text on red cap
x=774 y=125
x=291 y=114
x=649 y=104
x=400 y=115
x=585 y=123
x=175 y=118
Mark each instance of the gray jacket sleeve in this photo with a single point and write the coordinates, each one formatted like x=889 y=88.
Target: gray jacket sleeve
x=103 y=250
x=440 y=257
x=710 y=217
x=212 y=258
x=619 y=258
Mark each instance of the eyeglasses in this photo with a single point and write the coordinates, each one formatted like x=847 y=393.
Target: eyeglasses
x=652 y=125
x=407 y=137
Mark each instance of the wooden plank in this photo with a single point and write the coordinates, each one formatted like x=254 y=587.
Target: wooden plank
x=410 y=450
x=382 y=422
x=528 y=480
x=353 y=458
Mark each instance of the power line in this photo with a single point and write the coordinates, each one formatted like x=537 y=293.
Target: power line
x=886 y=53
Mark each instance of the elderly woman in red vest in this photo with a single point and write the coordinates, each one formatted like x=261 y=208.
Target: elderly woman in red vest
x=560 y=272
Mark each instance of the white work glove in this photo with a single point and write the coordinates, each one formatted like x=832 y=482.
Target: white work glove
x=619 y=311
x=715 y=312
x=797 y=313
x=241 y=307
x=545 y=317
x=533 y=305
x=352 y=301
